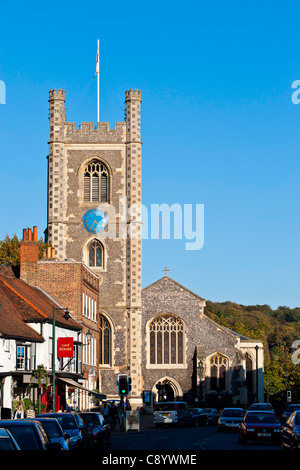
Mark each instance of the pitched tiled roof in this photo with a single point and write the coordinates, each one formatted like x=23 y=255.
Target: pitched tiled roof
x=21 y=304
x=11 y=323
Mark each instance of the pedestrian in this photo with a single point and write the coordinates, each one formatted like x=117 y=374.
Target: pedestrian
x=105 y=411
x=30 y=413
x=113 y=415
x=127 y=404
x=19 y=414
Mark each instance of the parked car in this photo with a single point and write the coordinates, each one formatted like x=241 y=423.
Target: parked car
x=289 y=410
x=7 y=441
x=205 y=416
x=72 y=425
x=212 y=416
x=260 y=426
x=197 y=416
x=29 y=434
x=261 y=407
x=290 y=432
x=99 y=430
x=230 y=419
x=55 y=432
x=174 y=412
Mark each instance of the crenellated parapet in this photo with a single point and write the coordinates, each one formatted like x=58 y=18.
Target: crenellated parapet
x=88 y=133
x=131 y=95
x=56 y=94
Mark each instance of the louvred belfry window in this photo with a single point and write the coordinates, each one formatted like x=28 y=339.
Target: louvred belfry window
x=95 y=182
x=166 y=340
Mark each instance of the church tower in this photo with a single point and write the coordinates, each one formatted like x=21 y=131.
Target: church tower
x=94 y=199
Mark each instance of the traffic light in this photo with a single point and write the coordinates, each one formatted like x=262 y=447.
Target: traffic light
x=289 y=396
x=123 y=384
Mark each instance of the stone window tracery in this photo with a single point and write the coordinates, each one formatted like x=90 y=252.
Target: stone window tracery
x=95 y=254
x=218 y=370
x=166 y=335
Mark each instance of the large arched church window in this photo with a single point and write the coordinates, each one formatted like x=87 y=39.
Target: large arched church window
x=166 y=334
x=104 y=342
x=95 y=254
x=96 y=182
x=218 y=370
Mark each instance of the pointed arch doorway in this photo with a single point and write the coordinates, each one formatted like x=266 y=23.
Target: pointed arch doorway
x=167 y=389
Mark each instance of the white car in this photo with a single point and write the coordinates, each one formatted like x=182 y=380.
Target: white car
x=230 y=418
x=174 y=412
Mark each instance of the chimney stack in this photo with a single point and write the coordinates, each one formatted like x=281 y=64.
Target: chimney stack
x=29 y=255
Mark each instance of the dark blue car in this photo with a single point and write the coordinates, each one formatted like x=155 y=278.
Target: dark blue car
x=29 y=434
x=55 y=432
x=72 y=425
x=290 y=432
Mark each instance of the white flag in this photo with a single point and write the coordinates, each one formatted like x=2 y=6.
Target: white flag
x=97 y=59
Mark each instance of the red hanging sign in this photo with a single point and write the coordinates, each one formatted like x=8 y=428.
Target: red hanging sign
x=65 y=347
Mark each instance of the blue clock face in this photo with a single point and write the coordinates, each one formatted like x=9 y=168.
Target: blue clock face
x=94 y=221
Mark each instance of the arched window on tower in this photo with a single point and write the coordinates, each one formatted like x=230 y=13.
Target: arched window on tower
x=95 y=254
x=104 y=342
x=96 y=182
x=166 y=335
x=218 y=370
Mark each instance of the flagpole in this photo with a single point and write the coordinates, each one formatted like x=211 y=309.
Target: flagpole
x=98 y=85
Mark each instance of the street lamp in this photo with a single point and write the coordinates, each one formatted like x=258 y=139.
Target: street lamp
x=88 y=338
x=66 y=316
x=256 y=349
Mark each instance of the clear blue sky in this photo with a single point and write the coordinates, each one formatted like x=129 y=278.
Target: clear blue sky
x=218 y=126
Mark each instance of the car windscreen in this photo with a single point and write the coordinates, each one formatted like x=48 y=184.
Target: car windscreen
x=90 y=419
x=66 y=421
x=165 y=407
x=297 y=418
x=292 y=408
x=6 y=444
x=269 y=418
x=233 y=413
x=52 y=429
x=25 y=437
x=260 y=407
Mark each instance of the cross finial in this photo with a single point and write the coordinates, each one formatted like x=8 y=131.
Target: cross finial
x=166 y=269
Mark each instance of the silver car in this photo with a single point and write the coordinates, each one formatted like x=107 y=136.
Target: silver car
x=230 y=419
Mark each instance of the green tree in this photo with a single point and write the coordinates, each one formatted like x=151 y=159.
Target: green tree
x=40 y=376
x=10 y=250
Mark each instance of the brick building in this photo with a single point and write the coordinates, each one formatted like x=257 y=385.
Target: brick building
x=26 y=336
x=76 y=287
